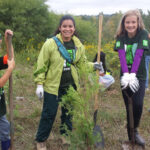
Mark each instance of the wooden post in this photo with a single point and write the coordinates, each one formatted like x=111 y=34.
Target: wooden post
x=10 y=94
x=98 y=56
x=131 y=118
x=97 y=130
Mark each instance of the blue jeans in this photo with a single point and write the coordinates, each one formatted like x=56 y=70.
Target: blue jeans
x=147 y=62
x=4 y=129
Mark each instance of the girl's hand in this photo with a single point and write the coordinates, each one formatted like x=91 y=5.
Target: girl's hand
x=8 y=31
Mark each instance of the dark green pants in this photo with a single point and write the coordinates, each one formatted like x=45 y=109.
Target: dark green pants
x=48 y=115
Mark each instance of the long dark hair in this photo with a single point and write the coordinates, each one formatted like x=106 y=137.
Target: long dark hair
x=66 y=17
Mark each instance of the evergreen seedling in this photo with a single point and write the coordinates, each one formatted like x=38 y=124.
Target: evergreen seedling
x=80 y=104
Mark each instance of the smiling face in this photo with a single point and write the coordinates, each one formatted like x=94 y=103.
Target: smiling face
x=67 y=30
x=131 y=25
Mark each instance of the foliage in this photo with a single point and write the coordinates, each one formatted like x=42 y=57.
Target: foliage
x=79 y=103
x=110 y=27
x=30 y=54
x=27 y=18
x=87 y=29
x=91 y=50
x=31 y=19
x=112 y=59
x=146 y=19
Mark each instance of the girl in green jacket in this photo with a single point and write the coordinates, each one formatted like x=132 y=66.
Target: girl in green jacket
x=55 y=73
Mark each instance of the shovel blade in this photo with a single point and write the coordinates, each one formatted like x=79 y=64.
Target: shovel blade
x=99 y=143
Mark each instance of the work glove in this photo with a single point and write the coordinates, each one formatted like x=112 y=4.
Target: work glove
x=40 y=91
x=125 y=79
x=99 y=66
x=134 y=82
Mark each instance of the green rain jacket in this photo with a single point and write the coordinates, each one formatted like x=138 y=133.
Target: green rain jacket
x=50 y=65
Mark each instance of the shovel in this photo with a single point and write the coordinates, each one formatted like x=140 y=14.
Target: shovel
x=97 y=130
x=131 y=119
x=9 y=38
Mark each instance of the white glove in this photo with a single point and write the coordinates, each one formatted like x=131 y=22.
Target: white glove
x=99 y=66
x=125 y=79
x=134 y=82
x=39 y=91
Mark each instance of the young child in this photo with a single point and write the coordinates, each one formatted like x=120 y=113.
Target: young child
x=131 y=44
x=4 y=124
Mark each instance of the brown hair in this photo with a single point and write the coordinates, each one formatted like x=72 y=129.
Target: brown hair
x=121 y=29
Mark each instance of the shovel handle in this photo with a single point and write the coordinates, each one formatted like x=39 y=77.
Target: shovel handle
x=9 y=40
x=131 y=117
x=99 y=37
x=98 y=56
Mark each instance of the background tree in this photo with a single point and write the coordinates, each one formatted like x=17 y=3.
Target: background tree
x=86 y=28
x=32 y=19
x=111 y=25
x=27 y=18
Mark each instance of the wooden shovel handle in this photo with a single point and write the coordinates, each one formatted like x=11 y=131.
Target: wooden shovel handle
x=98 y=56
x=9 y=40
x=131 y=117
x=99 y=37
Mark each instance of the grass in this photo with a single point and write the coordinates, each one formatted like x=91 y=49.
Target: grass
x=111 y=114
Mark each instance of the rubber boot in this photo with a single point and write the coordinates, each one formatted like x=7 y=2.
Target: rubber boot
x=5 y=145
x=41 y=146
x=138 y=139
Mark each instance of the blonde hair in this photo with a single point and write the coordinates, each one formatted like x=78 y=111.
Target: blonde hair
x=121 y=29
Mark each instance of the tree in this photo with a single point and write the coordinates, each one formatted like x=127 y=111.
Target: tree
x=110 y=27
x=86 y=29
x=27 y=18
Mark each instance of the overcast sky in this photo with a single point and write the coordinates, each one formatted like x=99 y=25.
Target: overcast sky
x=94 y=7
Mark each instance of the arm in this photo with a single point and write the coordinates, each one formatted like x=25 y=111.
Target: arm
x=5 y=77
x=125 y=78
x=6 y=41
x=137 y=60
x=11 y=63
x=43 y=63
x=123 y=62
x=42 y=68
x=120 y=48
